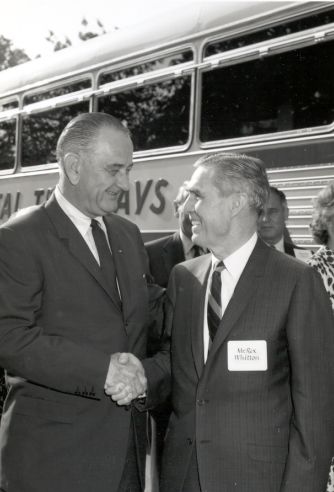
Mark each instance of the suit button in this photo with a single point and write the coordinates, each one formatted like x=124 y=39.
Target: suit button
x=201 y=402
x=189 y=441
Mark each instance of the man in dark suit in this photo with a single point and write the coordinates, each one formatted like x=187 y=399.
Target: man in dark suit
x=272 y=225
x=166 y=252
x=249 y=344
x=73 y=295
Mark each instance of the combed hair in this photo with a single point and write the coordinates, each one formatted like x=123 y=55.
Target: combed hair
x=81 y=132
x=323 y=210
x=239 y=172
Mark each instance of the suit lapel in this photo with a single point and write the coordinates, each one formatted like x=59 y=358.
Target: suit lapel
x=75 y=243
x=245 y=289
x=198 y=304
x=118 y=245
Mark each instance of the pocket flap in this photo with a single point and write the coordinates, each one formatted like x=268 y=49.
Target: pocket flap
x=45 y=409
x=270 y=454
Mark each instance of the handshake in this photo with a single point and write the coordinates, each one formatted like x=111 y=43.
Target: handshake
x=126 y=379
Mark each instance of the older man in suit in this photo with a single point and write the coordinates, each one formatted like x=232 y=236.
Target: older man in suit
x=249 y=344
x=272 y=225
x=73 y=295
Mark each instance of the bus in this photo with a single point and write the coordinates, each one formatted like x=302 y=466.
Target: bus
x=254 y=77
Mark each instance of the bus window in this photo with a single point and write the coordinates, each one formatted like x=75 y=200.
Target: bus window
x=148 y=66
x=7 y=144
x=40 y=132
x=8 y=105
x=271 y=32
x=156 y=114
x=57 y=91
x=292 y=90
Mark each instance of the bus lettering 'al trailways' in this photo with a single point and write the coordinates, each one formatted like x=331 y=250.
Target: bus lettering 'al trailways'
x=12 y=202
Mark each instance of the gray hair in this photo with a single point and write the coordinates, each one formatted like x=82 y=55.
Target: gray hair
x=323 y=209
x=80 y=133
x=280 y=194
x=239 y=172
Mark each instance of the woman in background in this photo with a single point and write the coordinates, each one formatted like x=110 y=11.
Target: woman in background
x=322 y=227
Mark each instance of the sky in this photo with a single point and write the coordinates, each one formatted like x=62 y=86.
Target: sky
x=27 y=22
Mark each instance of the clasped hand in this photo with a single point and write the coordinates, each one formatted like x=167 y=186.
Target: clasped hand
x=125 y=379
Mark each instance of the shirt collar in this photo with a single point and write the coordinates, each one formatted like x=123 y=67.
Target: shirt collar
x=280 y=245
x=236 y=262
x=80 y=220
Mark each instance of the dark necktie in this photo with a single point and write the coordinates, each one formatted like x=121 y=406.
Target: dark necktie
x=106 y=260
x=214 y=312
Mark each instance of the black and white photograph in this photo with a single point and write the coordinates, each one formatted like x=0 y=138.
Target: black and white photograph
x=167 y=246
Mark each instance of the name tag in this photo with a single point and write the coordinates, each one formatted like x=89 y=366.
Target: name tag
x=247 y=355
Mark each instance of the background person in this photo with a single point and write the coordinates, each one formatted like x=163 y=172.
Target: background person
x=68 y=306
x=322 y=261
x=272 y=225
x=322 y=227
x=166 y=252
x=251 y=350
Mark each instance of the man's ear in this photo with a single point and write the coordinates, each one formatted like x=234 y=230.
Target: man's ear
x=239 y=202
x=286 y=211
x=72 y=167
x=176 y=209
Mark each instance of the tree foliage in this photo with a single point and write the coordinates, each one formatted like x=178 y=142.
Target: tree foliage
x=9 y=55
x=87 y=30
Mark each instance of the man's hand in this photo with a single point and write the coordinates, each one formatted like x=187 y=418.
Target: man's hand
x=125 y=379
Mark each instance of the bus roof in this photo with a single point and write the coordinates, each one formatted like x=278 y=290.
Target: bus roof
x=168 y=29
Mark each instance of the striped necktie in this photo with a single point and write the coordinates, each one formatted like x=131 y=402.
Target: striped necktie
x=214 y=310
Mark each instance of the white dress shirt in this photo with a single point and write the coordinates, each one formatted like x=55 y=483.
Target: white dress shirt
x=81 y=221
x=280 y=245
x=234 y=266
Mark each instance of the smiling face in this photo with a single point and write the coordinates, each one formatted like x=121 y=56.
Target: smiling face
x=103 y=172
x=210 y=210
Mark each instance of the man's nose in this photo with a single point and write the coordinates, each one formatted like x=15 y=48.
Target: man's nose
x=123 y=181
x=264 y=217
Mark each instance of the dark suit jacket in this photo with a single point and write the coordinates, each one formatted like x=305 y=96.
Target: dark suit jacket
x=59 y=325
x=164 y=254
x=254 y=431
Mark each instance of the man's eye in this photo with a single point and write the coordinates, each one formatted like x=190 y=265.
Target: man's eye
x=112 y=172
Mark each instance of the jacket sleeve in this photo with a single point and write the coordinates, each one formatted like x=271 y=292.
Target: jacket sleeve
x=158 y=367
x=310 y=335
